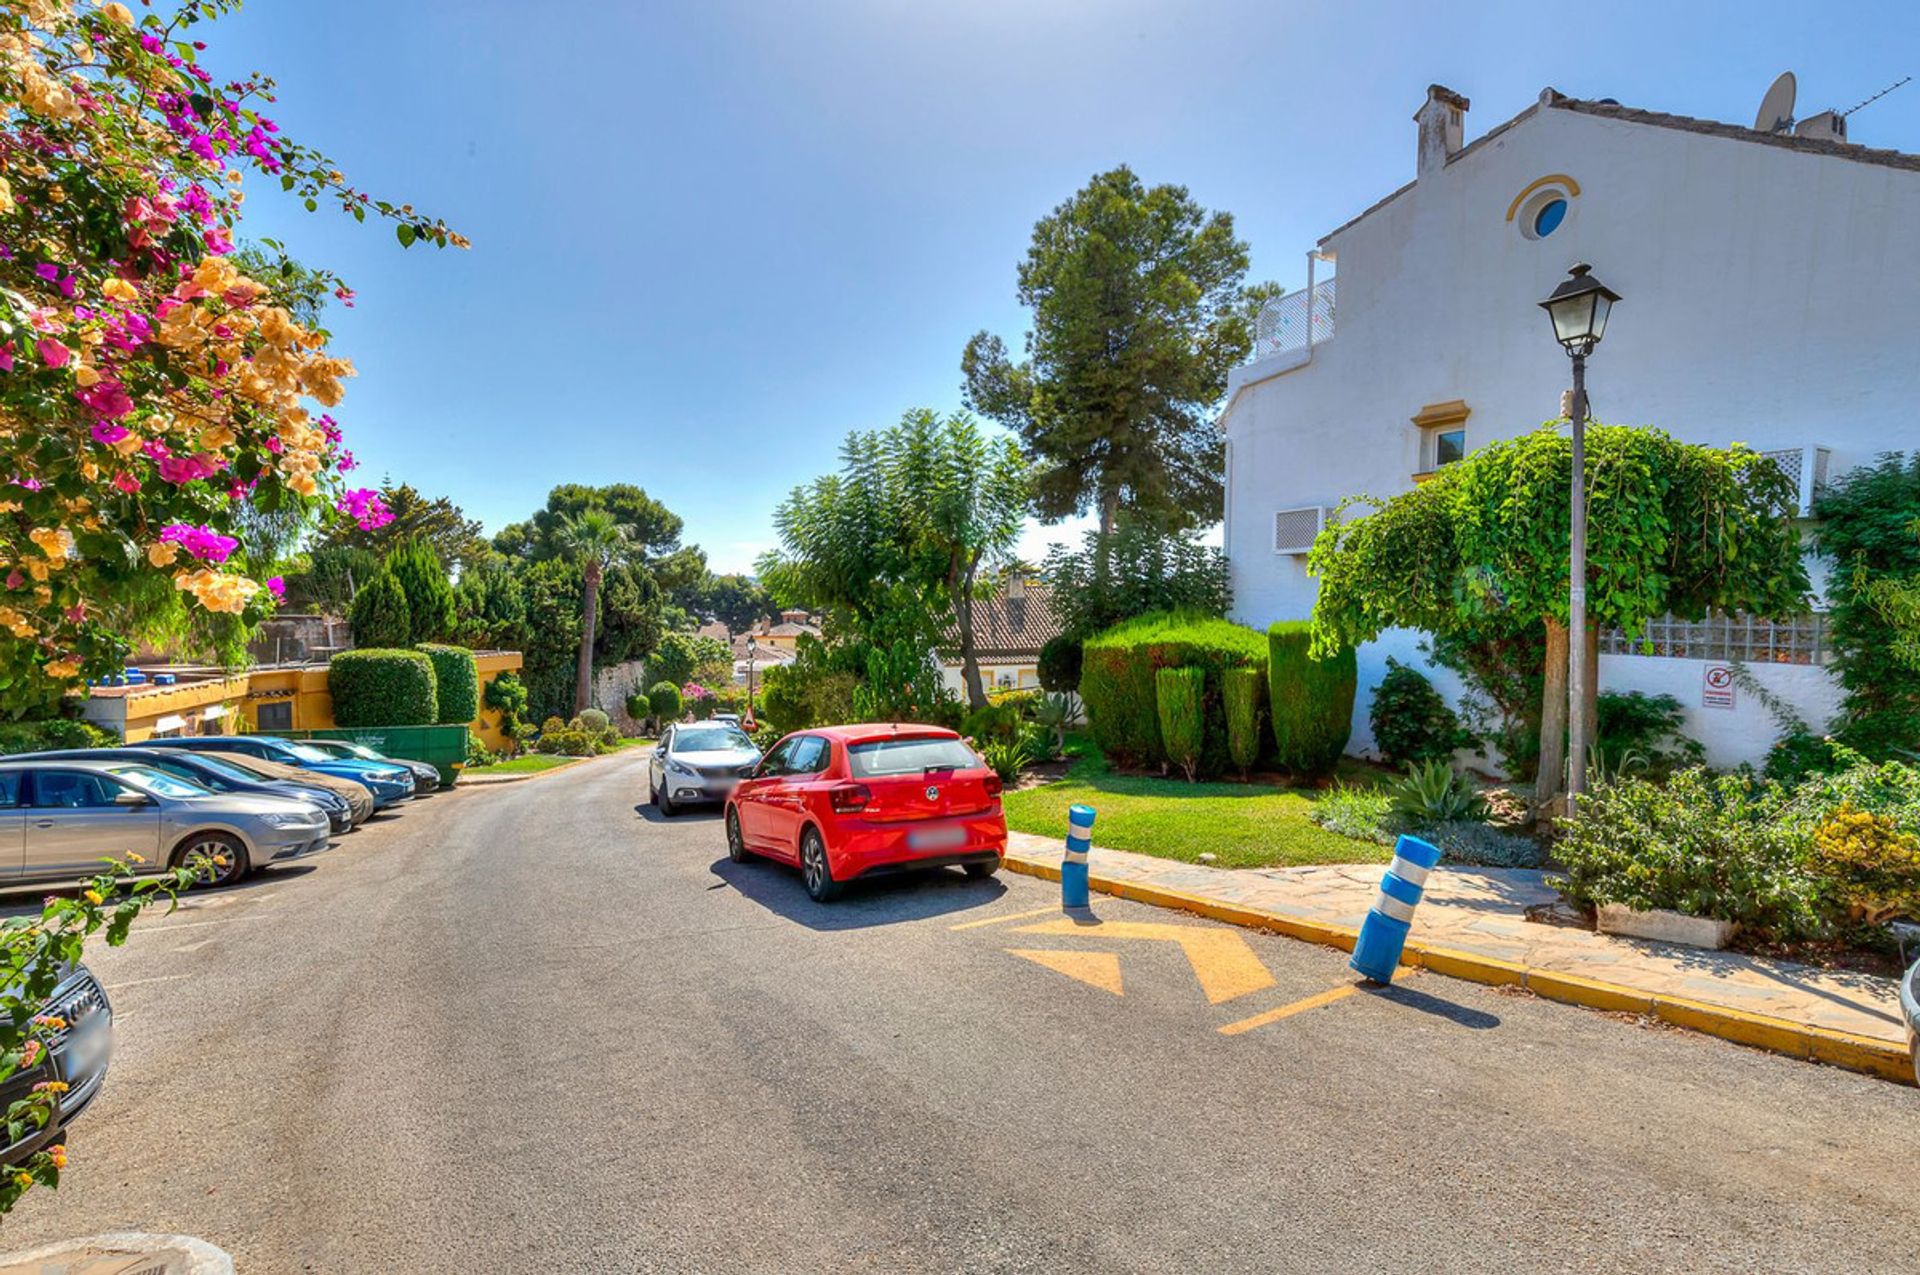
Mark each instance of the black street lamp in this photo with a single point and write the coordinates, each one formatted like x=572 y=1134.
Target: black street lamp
x=1578 y=308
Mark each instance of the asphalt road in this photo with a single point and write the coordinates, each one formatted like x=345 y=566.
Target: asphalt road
x=534 y=1027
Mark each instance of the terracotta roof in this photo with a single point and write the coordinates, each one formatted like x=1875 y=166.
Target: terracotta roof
x=788 y=628
x=1006 y=627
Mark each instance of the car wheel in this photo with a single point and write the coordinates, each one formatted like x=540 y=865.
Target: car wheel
x=225 y=859
x=665 y=804
x=653 y=794
x=814 y=868
x=981 y=871
x=736 y=843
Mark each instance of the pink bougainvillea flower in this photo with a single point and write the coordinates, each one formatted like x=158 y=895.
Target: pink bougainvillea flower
x=15 y=579
x=203 y=543
x=109 y=433
x=366 y=508
x=107 y=399
x=6 y=357
x=277 y=587
x=52 y=353
x=186 y=469
x=126 y=482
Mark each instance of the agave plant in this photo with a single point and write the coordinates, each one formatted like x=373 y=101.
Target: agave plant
x=1006 y=757
x=1434 y=792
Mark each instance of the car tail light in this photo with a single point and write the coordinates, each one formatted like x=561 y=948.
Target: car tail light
x=994 y=785
x=849 y=799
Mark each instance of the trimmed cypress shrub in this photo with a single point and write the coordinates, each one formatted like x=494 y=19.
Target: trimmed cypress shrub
x=1178 y=695
x=1310 y=701
x=1411 y=720
x=380 y=617
x=1241 y=688
x=1059 y=664
x=667 y=703
x=456 y=680
x=374 y=687
x=1117 y=681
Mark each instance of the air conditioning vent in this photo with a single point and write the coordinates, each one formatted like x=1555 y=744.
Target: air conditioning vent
x=1806 y=469
x=1294 y=530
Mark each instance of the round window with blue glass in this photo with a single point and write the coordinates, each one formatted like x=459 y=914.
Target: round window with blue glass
x=1548 y=218
x=1545 y=211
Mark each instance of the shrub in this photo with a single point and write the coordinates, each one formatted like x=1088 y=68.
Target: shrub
x=1645 y=726
x=592 y=719
x=507 y=694
x=1412 y=722
x=1799 y=754
x=552 y=724
x=456 y=681
x=609 y=738
x=51 y=733
x=383 y=688
x=1059 y=669
x=1866 y=522
x=1872 y=865
x=380 y=617
x=639 y=708
x=1434 y=792
x=1179 y=695
x=1136 y=570
x=665 y=700
x=567 y=742
x=478 y=754
x=1117 y=682
x=1240 y=687
x=688 y=657
x=1718 y=847
x=1310 y=702
x=1001 y=722
x=1006 y=757
x=1365 y=814
x=700 y=701
x=1470 y=842
x=1053 y=715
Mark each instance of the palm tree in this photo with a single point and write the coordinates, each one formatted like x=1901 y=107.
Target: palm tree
x=594 y=540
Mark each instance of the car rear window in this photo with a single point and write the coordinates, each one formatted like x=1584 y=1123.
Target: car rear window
x=161 y=782
x=709 y=739
x=908 y=756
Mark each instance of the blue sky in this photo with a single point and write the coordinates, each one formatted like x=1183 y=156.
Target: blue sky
x=711 y=238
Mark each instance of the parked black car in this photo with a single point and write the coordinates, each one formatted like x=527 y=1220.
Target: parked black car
x=214 y=774
x=78 y=1054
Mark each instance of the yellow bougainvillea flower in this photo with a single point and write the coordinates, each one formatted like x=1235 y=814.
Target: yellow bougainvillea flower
x=161 y=553
x=60 y=670
x=55 y=542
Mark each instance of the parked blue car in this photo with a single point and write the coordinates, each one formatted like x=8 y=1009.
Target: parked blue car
x=389 y=782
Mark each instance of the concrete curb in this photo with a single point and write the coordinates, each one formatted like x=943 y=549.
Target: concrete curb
x=164 y=1254
x=1776 y=1035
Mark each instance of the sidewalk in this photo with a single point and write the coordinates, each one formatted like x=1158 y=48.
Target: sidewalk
x=1471 y=924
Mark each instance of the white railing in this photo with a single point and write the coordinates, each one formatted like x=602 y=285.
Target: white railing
x=1295 y=321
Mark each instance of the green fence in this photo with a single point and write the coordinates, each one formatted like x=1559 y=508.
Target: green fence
x=443 y=747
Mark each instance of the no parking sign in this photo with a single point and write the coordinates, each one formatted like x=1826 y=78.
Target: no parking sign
x=1716 y=687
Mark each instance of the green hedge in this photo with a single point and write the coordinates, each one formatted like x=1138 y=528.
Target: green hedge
x=456 y=682
x=379 y=618
x=1117 y=681
x=1179 y=694
x=1241 y=688
x=666 y=701
x=51 y=733
x=377 y=687
x=1310 y=701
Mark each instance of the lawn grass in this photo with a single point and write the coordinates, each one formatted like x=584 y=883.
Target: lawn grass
x=1241 y=825
x=525 y=764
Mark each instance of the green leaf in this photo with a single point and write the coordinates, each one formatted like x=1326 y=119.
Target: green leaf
x=405 y=234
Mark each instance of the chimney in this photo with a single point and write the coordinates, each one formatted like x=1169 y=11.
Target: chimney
x=793 y=617
x=1442 y=124
x=1828 y=126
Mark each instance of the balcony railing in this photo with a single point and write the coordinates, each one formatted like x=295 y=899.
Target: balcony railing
x=1295 y=321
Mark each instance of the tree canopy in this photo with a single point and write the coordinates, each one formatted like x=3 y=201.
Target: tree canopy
x=655 y=528
x=1482 y=548
x=435 y=522
x=1139 y=312
x=1133 y=571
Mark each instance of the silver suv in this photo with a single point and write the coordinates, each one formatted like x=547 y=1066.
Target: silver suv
x=59 y=819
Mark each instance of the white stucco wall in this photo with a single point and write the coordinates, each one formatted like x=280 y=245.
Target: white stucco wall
x=1761 y=291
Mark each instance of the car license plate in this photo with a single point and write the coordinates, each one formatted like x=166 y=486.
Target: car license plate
x=944 y=838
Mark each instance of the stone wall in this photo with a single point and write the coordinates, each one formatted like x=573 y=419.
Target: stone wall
x=612 y=685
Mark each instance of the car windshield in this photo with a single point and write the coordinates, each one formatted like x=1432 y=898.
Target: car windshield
x=307 y=752
x=225 y=769
x=909 y=756
x=710 y=739
x=160 y=781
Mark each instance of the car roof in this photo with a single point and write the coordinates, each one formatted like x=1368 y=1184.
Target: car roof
x=867 y=733
x=78 y=763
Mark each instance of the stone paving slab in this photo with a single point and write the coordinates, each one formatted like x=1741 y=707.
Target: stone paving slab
x=1482 y=911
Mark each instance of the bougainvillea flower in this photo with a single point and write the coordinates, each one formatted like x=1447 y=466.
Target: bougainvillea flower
x=52 y=353
x=366 y=508
x=109 y=433
x=277 y=587
x=203 y=543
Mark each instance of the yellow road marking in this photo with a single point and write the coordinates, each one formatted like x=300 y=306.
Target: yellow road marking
x=1221 y=959
x=1288 y=1011
x=1011 y=916
x=1096 y=969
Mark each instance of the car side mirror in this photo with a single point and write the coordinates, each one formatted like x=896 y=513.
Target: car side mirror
x=128 y=797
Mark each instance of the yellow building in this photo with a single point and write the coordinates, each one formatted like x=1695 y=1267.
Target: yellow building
x=292 y=697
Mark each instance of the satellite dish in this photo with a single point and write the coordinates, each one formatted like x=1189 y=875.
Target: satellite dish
x=1776 y=108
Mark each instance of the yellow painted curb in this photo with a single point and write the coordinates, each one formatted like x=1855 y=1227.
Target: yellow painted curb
x=1573 y=989
x=1778 y=1035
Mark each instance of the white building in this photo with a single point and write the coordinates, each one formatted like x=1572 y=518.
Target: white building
x=1767 y=285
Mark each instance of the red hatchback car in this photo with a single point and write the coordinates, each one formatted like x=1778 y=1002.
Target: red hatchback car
x=844 y=802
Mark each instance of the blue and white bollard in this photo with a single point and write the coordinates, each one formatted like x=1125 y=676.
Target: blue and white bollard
x=1073 y=868
x=1377 y=953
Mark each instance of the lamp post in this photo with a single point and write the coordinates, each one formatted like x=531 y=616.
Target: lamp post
x=752 y=650
x=1578 y=308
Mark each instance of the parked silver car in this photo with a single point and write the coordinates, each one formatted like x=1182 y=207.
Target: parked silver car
x=59 y=819
x=698 y=762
